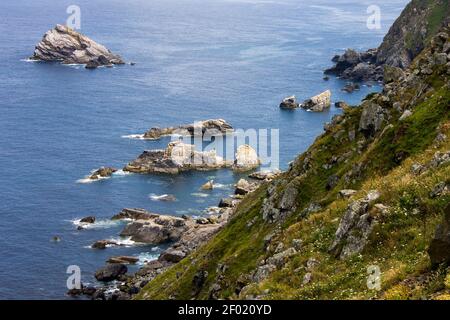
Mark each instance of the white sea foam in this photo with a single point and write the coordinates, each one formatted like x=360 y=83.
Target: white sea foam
x=146 y=257
x=200 y=194
x=121 y=173
x=98 y=224
x=86 y=179
x=134 y=136
x=162 y=197
x=221 y=186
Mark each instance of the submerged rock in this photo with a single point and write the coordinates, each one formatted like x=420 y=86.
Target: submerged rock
x=89 y=220
x=62 y=44
x=318 y=103
x=103 y=172
x=102 y=244
x=213 y=127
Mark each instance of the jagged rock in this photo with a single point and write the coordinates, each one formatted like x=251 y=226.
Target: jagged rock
x=289 y=197
x=347 y=193
x=440 y=189
x=289 y=103
x=279 y=259
x=312 y=208
x=208 y=186
x=440 y=158
x=372 y=118
x=297 y=244
x=332 y=181
x=155 y=230
x=311 y=264
x=212 y=127
x=354 y=228
x=318 y=103
x=102 y=244
x=103 y=172
x=406 y=114
x=65 y=45
x=123 y=260
x=198 y=281
x=243 y=187
x=246 y=158
x=89 y=220
x=134 y=214
x=110 y=272
x=439 y=250
x=417 y=168
x=307 y=278
x=392 y=74
x=176 y=158
x=263 y=272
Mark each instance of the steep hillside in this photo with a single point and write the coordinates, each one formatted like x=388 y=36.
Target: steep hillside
x=368 y=193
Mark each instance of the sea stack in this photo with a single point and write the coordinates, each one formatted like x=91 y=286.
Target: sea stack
x=65 y=45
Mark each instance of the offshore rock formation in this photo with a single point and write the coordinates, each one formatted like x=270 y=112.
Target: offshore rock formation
x=318 y=103
x=62 y=44
x=176 y=158
x=213 y=127
x=289 y=103
x=246 y=159
x=407 y=37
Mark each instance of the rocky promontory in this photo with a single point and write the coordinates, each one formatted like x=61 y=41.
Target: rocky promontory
x=63 y=44
x=212 y=127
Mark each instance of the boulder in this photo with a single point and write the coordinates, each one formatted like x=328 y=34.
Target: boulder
x=318 y=103
x=172 y=255
x=110 y=272
x=439 y=250
x=347 y=193
x=406 y=114
x=102 y=244
x=212 y=127
x=123 y=260
x=89 y=220
x=341 y=105
x=226 y=203
x=246 y=158
x=103 y=172
x=208 y=186
x=243 y=187
x=289 y=103
x=264 y=175
x=372 y=118
x=134 y=214
x=65 y=45
x=156 y=230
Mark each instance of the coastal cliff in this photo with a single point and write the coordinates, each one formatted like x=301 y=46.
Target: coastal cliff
x=406 y=39
x=371 y=192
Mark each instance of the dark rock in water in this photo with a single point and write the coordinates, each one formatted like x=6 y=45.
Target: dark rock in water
x=350 y=87
x=439 y=250
x=289 y=103
x=102 y=244
x=62 y=44
x=103 y=172
x=134 y=214
x=326 y=78
x=110 y=272
x=56 y=239
x=213 y=127
x=90 y=219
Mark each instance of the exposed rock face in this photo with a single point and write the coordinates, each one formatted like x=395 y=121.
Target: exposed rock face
x=265 y=175
x=354 y=228
x=67 y=46
x=372 y=118
x=318 y=103
x=246 y=158
x=155 y=230
x=176 y=158
x=213 y=127
x=439 y=250
x=243 y=187
x=289 y=103
x=103 y=172
x=110 y=272
x=406 y=38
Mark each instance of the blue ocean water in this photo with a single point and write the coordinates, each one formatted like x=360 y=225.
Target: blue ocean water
x=195 y=60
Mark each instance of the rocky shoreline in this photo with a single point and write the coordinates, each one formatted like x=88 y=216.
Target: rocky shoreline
x=183 y=234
